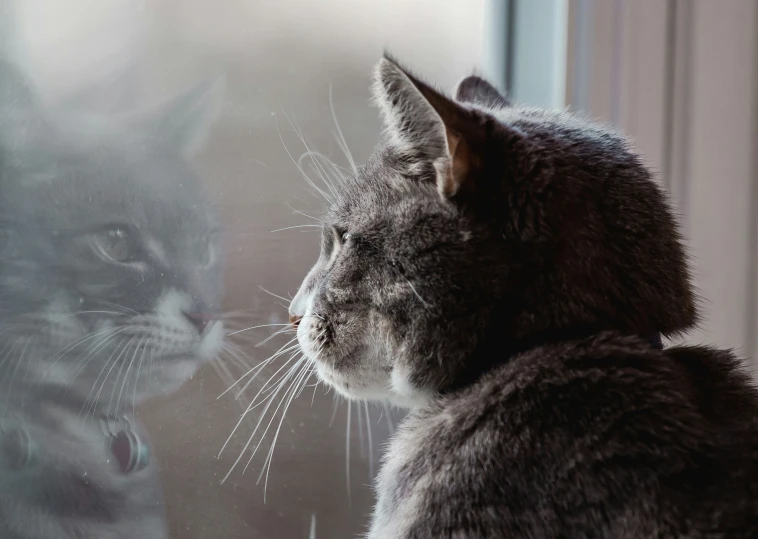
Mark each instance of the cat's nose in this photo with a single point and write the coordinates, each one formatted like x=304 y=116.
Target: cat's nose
x=199 y=320
x=295 y=320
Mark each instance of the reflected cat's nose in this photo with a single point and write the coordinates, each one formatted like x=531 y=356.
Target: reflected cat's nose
x=199 y=320
x=295 y=320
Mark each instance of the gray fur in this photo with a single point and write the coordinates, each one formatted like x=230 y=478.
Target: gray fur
x=498 y=270
x=108 y=247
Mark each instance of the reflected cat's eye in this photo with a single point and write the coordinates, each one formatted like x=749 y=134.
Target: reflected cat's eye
x=114 y=244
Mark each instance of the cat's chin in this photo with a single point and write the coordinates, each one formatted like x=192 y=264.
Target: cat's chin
x=402 y=395
x=347 y=388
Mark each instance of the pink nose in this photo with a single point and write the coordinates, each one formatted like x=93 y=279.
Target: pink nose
x=295 y=320
x=199 y=320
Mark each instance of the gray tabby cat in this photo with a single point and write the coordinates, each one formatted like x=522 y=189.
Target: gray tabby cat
x=110 y=283
x=506 y=273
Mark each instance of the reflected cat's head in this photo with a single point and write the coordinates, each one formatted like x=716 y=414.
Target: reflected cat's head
x=478 y=229
x=110 y=268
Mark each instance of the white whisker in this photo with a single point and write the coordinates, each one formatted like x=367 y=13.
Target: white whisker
x=347 y=454
x=335 y=403
x=250 y=406
x=276 y=295
x=341 y=138
x=296 y=226
x=292 y=370
x=417 y=294
x=254 y=327
x=370 y=443
x=297 y=385
x=307 y=178
x=275 y=334
x=136 y=380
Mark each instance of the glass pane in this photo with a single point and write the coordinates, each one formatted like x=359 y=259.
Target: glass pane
x=94 y=210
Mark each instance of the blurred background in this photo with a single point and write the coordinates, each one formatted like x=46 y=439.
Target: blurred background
x=679 y=76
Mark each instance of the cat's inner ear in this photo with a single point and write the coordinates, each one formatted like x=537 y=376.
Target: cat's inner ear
x=474 y=89
x=424 y=123
x=184 y=123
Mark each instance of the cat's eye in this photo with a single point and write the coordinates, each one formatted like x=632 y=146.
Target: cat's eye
x=340 y=235
x=114 y=244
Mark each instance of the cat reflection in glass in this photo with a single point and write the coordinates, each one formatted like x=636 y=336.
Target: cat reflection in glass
x=110 y=283
x=506 y=274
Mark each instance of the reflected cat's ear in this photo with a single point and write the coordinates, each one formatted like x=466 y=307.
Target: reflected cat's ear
x=184 y=123
x=474 y=89
x=111 y=93
x=21 y=113
x=15 y=88
x=421 y=122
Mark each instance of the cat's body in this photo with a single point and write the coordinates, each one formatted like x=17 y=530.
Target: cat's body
x=110 y=283
x=506 y=273
x=604 y=437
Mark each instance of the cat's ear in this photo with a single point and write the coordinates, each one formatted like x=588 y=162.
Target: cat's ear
x=21 y=114
x=424 y=123
x=111 y=93
x=474 y=89
x=185 y=122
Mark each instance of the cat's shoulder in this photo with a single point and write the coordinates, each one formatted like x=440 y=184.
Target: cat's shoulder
x=607 y=377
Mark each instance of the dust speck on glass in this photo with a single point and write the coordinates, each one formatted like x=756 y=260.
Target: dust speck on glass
x=163 y=169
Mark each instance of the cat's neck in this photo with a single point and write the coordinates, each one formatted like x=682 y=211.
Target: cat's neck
x=493 y=352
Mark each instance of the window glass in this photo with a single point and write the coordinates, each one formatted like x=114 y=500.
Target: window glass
x=113 y=256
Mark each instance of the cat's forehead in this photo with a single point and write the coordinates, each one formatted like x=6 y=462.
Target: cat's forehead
x=380 y=193
x=79 y=188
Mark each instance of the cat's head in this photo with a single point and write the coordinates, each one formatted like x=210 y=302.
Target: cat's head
x=110 y=269
x=477 y=229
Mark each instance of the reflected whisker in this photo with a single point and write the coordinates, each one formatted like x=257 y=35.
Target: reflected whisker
x=126 y=374
x=120 y=349
x=112 y=304
x=136 y=381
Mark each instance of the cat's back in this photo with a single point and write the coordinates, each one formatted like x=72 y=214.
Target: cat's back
x=605 y=437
